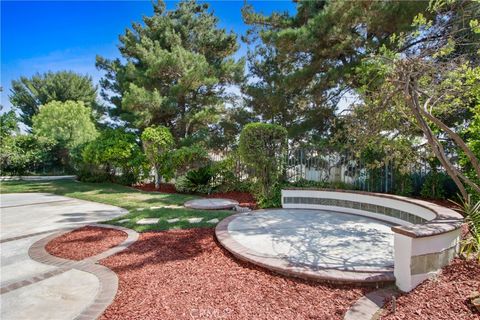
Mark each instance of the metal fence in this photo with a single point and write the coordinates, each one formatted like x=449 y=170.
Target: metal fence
x=324 y=166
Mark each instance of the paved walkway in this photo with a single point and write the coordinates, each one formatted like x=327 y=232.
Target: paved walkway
x=31 y=289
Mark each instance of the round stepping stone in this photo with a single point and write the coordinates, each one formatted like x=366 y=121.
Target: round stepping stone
x=211 y=204
x=195 y=220
x=215 y=220
x=148 y=221
x=123 y=220
x=173 y=220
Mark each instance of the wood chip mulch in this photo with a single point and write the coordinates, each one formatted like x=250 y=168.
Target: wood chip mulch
x=85 y=242
x=245 y=199
x=443 y=298
x=185 y=274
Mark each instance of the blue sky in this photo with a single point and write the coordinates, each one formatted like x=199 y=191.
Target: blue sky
x=38 y=36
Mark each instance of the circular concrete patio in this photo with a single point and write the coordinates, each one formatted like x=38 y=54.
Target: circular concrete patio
x=314 y=244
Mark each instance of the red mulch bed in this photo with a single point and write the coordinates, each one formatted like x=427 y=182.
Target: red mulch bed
x=445 y=298
x=85 y=242
x=150 y=187
x=184 y=274
x=245 y=199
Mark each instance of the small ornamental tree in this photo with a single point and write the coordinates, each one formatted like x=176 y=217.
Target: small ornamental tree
x=262 y=147
x=158 y=143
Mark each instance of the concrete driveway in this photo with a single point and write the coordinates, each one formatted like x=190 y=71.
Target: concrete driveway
x=30 y=289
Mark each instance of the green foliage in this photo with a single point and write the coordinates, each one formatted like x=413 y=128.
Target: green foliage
x=196 y=181
x=471 y=245
x=262 y=147
x=307 y=60
x=114 y=156
x=29 y=94
x=158 y=143
x=434 y=185
x=68 y=123
x=178 y=64
x=22 y=154
x=188 y=158
x=8 y=123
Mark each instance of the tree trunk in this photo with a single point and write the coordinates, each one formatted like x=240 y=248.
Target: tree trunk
x=436 y=146
x=157 y=179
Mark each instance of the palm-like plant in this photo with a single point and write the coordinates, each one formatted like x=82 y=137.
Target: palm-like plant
x=471 y=211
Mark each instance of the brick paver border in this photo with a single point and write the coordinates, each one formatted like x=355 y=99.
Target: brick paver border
x=107 y=278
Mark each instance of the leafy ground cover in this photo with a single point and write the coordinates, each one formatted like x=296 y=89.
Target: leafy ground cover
x=140 y=204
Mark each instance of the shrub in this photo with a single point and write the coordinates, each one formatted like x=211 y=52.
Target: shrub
x=114 y=156
x=196 y=181
x=157 y=144
x=434 y=185
x=22 y=154
x=470 y=246
x=188 y=158
x=224 y=178
x=262 y=147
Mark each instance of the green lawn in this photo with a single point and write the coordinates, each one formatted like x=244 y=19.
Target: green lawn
x=124 y=197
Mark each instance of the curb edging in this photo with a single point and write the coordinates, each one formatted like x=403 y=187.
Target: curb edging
x=108 y=280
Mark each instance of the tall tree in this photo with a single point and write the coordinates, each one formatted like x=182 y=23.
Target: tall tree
x=177 y=64
x=305 y=61
x=29 y=94
x=429 y=82
x=69 y=124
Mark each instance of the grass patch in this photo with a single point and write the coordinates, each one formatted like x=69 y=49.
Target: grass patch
x=165 y=214
x=125 y=197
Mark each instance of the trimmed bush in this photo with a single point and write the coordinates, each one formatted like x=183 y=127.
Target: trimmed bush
x=262 y=147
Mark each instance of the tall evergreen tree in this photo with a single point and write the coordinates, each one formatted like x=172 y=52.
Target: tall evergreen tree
x=28 y=94
x=177 y=65
x=303 y=64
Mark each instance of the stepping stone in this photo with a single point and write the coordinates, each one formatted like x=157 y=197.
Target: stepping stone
x=153 y=208
x=213 y=221
x=140 y=209
x=211 y=204
x=123 y=220
x=195 y=220
x=148 y=221
x=173 y=220
x=173 y=206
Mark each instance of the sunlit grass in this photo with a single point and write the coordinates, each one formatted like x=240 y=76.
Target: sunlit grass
x=125 y=197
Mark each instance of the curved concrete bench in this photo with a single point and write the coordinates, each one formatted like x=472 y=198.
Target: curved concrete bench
x=426 y=235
